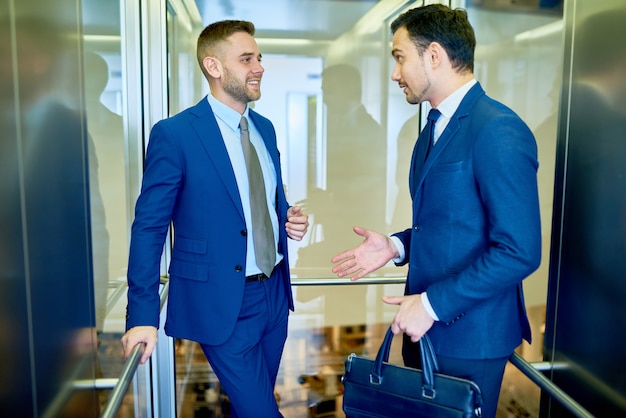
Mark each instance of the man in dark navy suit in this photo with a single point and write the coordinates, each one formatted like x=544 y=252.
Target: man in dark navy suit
x=196 y=178
x=475 y=232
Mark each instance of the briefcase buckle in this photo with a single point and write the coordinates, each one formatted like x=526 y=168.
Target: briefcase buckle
x=376 y=380
x=349 y=362
x=428 y=393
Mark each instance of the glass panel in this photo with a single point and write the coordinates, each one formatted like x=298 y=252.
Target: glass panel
x=105 y=123
x=104 y=97
x=186 y=84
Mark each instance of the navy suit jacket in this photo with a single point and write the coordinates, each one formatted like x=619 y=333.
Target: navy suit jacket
x=476 y=230
x=189 y=180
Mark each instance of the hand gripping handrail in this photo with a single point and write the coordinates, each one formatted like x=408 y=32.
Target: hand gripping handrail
x=126 y=377
x=130 y=367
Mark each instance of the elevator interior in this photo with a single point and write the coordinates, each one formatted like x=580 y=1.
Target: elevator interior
x=79 y=99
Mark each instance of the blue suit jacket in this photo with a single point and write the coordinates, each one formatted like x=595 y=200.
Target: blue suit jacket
x=189 y=180
x=476 y=230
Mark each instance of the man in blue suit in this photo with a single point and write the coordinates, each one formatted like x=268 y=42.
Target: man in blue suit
x=475 y=233
x=196 y=179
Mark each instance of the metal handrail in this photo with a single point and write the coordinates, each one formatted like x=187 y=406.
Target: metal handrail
x=123 y=383
x=347 y=281
x=530 y=370
x=548 y=386
x=118 y=286
x=130 y=367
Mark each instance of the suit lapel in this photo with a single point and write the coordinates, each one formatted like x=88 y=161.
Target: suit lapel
x=451 y=131
x=208 y=132
x=414 y=180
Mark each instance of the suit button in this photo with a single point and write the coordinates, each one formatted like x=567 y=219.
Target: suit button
x=238 y=268
x=244 y=233
x=417 y=227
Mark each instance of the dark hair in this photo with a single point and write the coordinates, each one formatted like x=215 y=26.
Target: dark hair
x=218 y=32
x=448 y=27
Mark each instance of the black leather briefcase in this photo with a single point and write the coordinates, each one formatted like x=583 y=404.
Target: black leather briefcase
x=375 y=388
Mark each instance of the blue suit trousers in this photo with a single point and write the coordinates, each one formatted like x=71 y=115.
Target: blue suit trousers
x=247 y=363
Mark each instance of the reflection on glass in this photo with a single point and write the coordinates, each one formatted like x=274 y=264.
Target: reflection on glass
x=104 y=97
x=355 y=188
x=108 y=160
x=104 y=127
x=47 y=332
x=407 y=137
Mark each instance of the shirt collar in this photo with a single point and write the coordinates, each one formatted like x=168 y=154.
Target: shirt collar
x=226 y=114
x=451 y=103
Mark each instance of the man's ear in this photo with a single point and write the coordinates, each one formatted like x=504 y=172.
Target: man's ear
x=436 y=54
x=212 y=66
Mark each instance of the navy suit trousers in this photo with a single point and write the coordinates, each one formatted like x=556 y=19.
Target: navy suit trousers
x=247 y=363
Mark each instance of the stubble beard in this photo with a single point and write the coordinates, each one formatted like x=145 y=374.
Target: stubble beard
x=418 y=98
x=238 y=90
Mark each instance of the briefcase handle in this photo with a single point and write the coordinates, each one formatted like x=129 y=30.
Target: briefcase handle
x=429 y=363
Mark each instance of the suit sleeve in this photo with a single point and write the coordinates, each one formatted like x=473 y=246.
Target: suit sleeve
x=405 y=239
x=162 y=178
x=504 y=161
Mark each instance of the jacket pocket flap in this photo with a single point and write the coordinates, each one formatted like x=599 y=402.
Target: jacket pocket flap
x=192 y=271
x=197 y=246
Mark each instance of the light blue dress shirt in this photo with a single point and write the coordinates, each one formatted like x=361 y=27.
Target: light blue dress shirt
x=228 y=122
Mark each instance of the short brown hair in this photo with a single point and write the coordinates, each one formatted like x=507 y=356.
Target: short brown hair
x=218 y=32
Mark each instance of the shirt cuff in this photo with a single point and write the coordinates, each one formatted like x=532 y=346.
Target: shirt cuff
x=400 y=247
x=428 y=306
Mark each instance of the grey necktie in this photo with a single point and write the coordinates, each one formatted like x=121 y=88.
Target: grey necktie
x=262 y=230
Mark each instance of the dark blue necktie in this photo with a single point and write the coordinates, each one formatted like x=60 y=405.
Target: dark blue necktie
x=425 y=142
x=433 y=115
